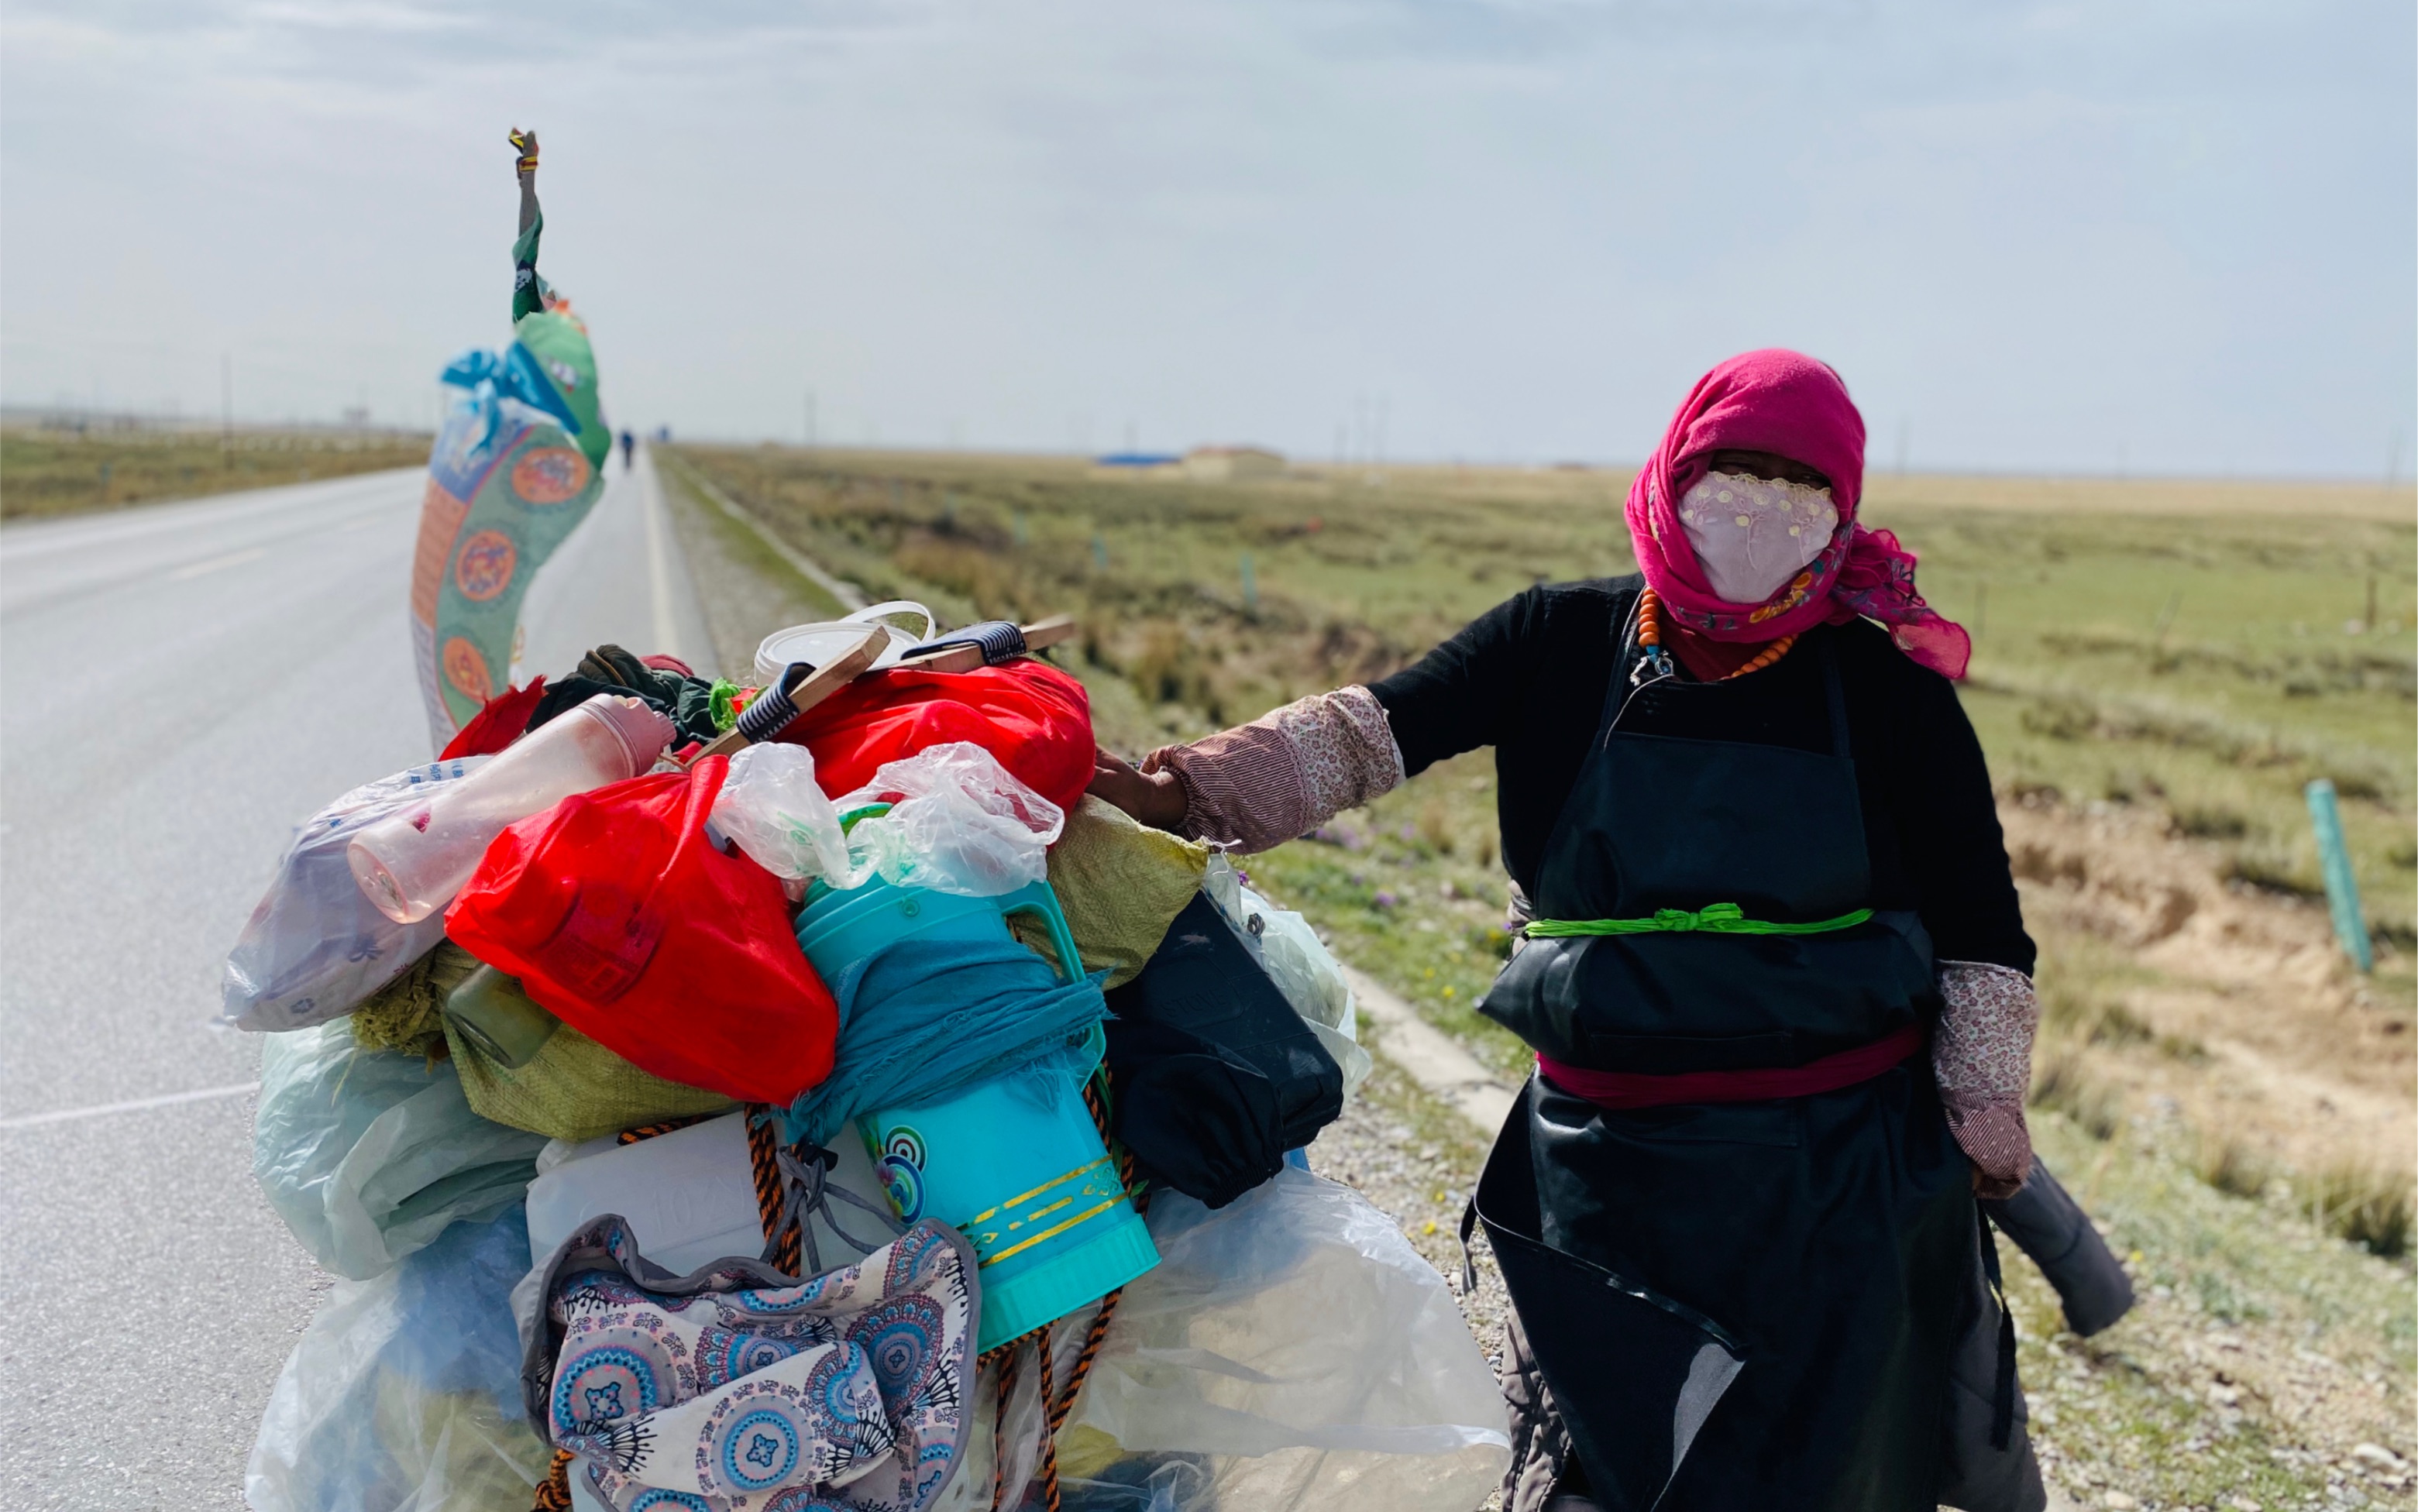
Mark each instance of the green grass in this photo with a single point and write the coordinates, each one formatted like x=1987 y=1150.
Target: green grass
x=46 y=471
x=2244 y=1287
x=2194 y=665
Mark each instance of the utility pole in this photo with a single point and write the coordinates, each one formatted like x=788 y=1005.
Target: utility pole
x=810 y=418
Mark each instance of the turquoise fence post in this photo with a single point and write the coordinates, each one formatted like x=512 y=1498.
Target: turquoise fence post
x=1023 y=529
x=1100 y=553
x=2342 y=886
x=1250 y=585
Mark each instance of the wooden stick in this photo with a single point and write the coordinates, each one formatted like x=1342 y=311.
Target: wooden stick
x=1038 y=635
x=821 y=683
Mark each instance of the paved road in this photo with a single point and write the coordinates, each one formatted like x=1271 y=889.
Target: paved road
x=179 y=684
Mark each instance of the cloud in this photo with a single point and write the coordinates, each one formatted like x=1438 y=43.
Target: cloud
x=2034 y=235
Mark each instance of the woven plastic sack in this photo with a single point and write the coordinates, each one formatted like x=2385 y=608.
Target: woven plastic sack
x=1291 y=1353
x=315 y=946
x=573 y=1089
x=1119 y=883
x=369 y=1157
x=404 y=1393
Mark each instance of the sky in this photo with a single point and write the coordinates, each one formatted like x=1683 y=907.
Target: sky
x=2168 y=237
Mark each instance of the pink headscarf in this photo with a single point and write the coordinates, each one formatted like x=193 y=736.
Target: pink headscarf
x=1787 y=403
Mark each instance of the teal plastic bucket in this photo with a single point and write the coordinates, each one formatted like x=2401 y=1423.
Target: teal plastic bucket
x=1018 y=1168
x=1015 y=1163
x=838 y=929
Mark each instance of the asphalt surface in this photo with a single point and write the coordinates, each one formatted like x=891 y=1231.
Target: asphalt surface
x=179 y=685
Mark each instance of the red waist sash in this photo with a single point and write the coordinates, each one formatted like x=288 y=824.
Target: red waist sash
x=1623 y=1090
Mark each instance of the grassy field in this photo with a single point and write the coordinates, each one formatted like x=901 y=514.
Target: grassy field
x=54 y=471
x=2160 y=669
x=2205 y=665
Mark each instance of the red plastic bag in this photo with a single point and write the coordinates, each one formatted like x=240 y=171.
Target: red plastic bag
x=499 y=722
x=621 y=919
x=1034 y=718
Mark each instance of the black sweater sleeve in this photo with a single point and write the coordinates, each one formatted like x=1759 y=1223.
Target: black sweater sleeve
x=1466 y=693
x=1947 y=823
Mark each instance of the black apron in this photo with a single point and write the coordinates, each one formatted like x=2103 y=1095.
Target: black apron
x=1735 y=1305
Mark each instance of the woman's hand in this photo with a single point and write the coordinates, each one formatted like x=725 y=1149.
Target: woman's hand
x=1155 y=798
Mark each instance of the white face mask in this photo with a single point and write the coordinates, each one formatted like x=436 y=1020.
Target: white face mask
x=1751 y=535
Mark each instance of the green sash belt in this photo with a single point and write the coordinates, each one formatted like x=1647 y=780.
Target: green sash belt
x=1717 y=918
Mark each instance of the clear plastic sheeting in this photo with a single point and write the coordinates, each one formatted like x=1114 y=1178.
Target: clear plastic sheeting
x=773 y=807
x=1303 y=969
x=1291 y=1353
x=403 y=1393
x=369 y=1157
x=958 y=822
x=316 y=946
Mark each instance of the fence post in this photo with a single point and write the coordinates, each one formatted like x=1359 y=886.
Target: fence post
x=2342 y=885
x=1250 y=585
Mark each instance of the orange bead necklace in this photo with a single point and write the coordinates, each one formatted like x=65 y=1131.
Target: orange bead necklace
x=1649 y=634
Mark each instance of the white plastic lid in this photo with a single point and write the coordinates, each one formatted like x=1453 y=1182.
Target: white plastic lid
x=821 y=641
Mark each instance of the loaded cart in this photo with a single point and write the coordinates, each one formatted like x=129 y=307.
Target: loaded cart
x=806 y=1095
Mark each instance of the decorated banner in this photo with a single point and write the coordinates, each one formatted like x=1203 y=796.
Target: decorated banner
x=516 y=465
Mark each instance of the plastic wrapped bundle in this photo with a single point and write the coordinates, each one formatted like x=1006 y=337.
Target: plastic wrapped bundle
x=1290 y=1353
x=315 y=946
x=369 y=1157
x=404 y=1393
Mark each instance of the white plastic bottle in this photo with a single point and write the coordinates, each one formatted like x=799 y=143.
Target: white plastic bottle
x=412 y=863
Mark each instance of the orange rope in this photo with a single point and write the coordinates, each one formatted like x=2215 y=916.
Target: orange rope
x=1048 y=1465
x=554 y=1491
x=763 y=1152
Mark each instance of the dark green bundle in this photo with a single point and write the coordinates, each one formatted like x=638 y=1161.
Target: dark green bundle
x=688 y=701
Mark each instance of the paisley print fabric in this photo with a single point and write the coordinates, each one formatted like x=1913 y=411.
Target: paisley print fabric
x=738 y=1389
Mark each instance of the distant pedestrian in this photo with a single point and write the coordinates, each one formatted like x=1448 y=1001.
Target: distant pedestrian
x=629 y=450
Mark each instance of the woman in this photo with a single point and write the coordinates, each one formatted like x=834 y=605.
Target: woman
x=1735 y=1206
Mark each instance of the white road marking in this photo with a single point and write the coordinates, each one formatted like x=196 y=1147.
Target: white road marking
x=68 y=1115
x=202 y=569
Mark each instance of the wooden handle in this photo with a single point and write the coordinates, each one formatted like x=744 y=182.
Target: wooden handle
x=821 y=683
x=1039 y=635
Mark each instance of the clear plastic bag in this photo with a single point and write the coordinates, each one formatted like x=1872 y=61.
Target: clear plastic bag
x=773 y=807
x=404 y=1393
x=1303 y=969
x=316 y=946
x=369 y=1157
x=958 y=822
x=1290 y=1352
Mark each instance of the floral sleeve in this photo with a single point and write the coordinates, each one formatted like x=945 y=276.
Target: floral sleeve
x=1261 y=784
x=1982 y=1056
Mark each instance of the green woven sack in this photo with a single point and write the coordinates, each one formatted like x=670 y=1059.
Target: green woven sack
x=573 y=1089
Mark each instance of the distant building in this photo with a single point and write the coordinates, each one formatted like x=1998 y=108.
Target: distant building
x=1136 y=459
x=1224 y=463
